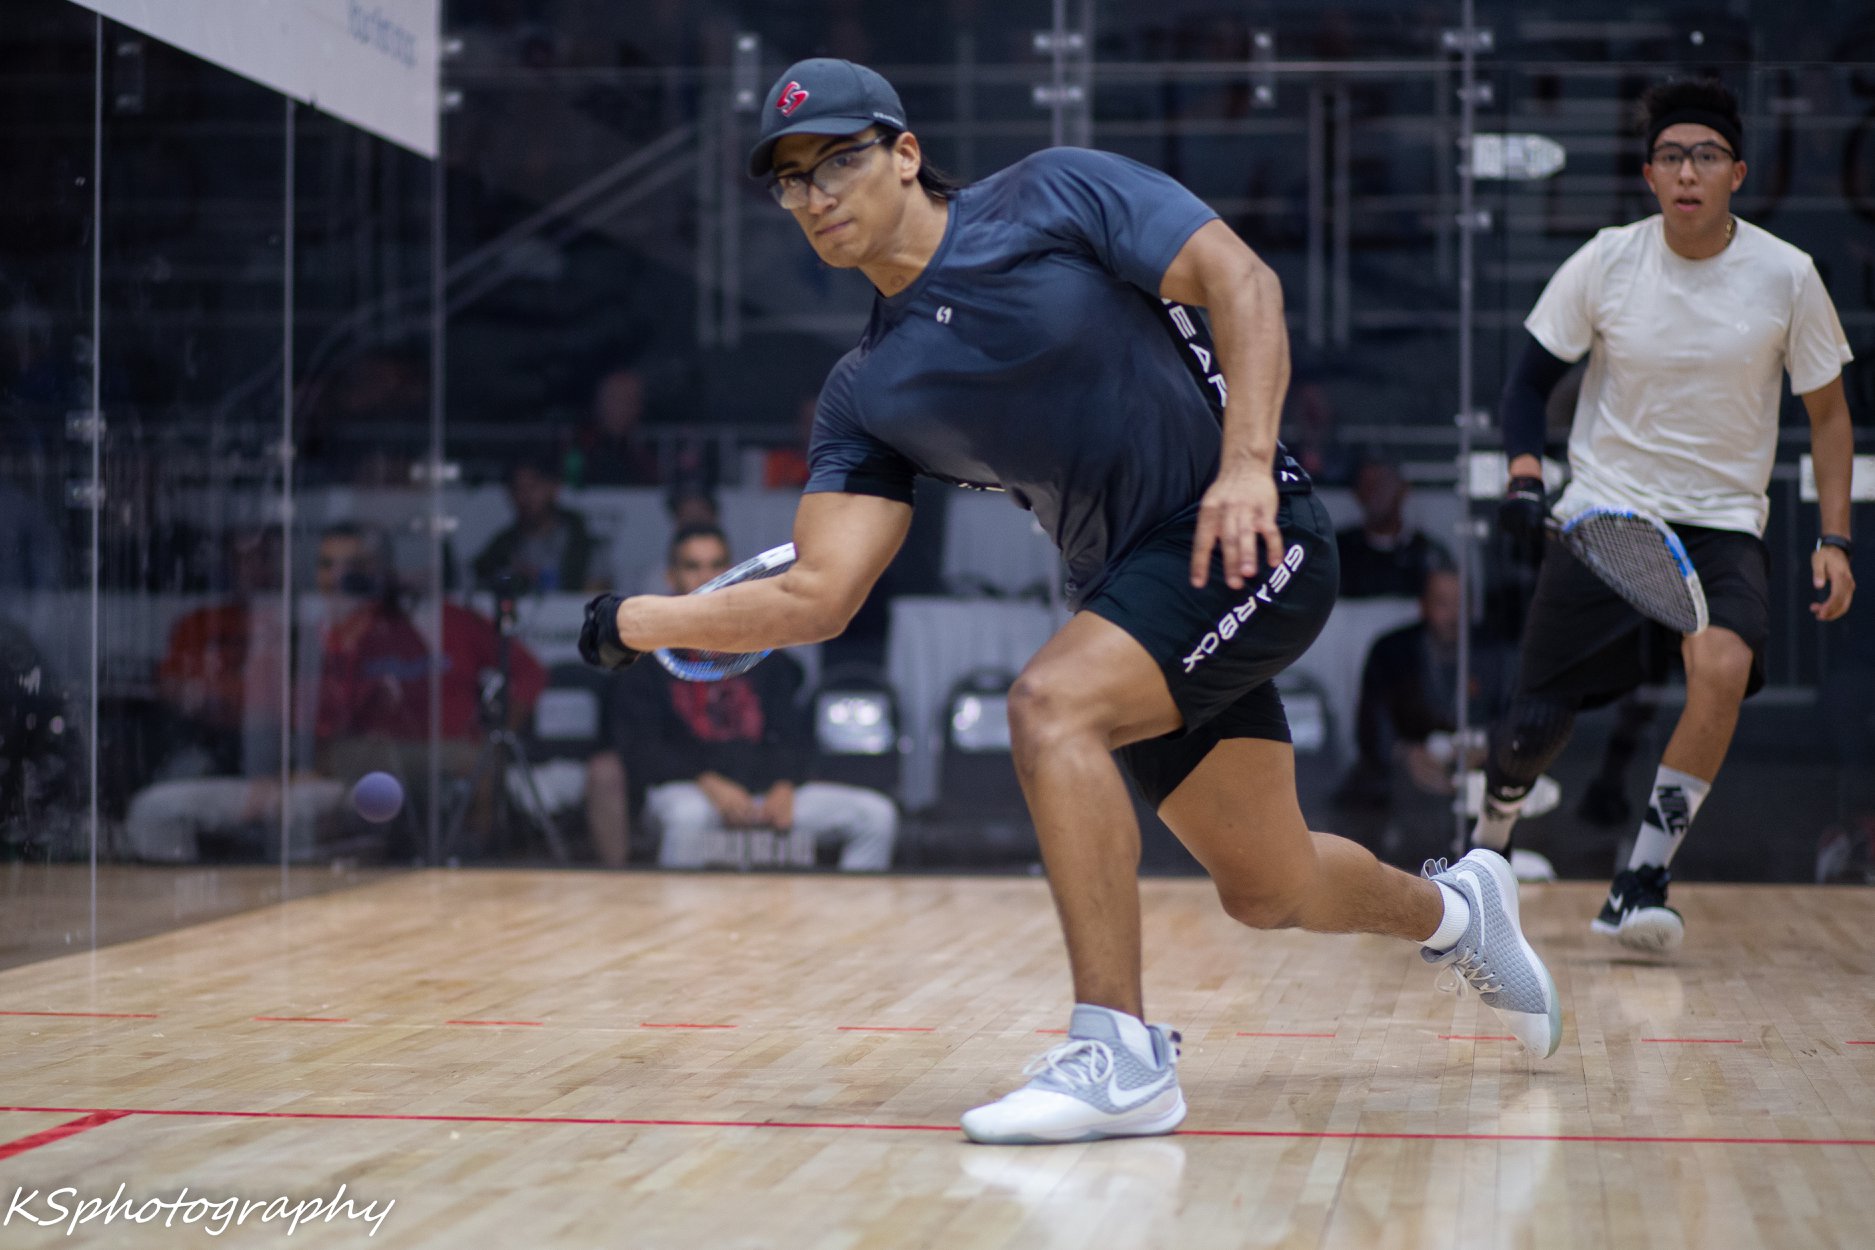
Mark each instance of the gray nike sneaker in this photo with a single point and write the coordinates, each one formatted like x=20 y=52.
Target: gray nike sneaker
x=1091 y=1086
x=1493 y=957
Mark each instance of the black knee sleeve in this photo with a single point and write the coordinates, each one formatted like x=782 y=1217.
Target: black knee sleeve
x=1524 y=742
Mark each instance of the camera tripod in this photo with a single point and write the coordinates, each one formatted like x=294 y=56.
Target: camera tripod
x=503 y=754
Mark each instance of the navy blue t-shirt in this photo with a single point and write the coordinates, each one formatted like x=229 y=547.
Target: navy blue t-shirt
x=1034 y=355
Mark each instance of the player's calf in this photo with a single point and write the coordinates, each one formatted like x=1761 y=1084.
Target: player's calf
x=1524 y=742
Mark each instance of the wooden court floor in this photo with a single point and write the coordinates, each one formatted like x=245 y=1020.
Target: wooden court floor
x=545 y=1059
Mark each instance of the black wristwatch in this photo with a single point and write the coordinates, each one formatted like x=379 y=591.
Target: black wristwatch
x=1840 y=542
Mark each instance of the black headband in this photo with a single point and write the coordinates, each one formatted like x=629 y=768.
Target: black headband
x=1699 y=117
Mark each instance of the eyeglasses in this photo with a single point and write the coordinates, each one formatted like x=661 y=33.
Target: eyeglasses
x=1706 y=157
x=832 y=174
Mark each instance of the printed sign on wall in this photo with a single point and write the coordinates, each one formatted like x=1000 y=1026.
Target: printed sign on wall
x=370 y=62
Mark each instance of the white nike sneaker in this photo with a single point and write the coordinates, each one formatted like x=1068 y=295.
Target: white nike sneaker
x=1493 y=956
x=1091 y=1086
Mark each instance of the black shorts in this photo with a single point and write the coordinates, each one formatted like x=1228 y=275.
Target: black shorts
x=1583 y=645
x=1220 y=648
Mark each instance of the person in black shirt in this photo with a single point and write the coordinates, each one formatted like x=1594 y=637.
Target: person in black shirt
x=1381 y=555
x=725 y=758
x=549 y=547
x=1037 y=333
x=1408 y=712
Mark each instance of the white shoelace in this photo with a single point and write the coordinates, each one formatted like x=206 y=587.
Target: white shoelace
x=1083 y=1061
x=1466 y=969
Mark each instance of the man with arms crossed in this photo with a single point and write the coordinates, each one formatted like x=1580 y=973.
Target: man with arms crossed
x=1031 y=334
x=1689 y=319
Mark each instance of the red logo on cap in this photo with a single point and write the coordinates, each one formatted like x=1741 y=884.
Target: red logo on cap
x=793 y=96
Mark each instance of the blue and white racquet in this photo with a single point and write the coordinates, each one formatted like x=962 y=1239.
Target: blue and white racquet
x=696 y=665
x=1642 y=560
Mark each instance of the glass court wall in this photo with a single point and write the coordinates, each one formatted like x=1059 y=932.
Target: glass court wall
x=186 y=257
x=265 y=567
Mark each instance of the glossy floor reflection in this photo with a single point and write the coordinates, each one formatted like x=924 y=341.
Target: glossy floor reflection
x=571 y=1059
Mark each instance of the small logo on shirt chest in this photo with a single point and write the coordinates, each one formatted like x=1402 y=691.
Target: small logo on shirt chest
x=944 y=315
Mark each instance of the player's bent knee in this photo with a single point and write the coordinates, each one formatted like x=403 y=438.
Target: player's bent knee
x=1528 y=738
x=1044 y=709
x=1263 y=909
x=1719 y=662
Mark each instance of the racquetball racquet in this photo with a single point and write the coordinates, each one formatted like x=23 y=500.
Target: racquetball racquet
x=1641 y=559
x=692 y=664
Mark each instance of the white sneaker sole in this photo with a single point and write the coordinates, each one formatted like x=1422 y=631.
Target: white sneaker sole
x=1152 y=1119
x=1656 y=930
x=1499 y=868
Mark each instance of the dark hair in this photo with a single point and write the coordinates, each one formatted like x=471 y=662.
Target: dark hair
x=544 y=463
x=1704 y=100
x=933 y=181
x=696 y=529
x=373 y=538
x=936 y=183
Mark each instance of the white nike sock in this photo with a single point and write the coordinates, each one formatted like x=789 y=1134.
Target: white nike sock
x=1670 y=810
x=1496 y=817
x=1457 y=920
x=1132 y=1031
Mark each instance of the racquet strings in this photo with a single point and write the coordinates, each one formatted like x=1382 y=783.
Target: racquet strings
x=696 y=664
x=1635 y=559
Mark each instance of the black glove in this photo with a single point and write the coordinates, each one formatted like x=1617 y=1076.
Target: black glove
x=1522 y=516
x=599 y=643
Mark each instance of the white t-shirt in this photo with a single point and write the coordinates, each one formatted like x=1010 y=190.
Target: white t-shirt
x=1678 y=411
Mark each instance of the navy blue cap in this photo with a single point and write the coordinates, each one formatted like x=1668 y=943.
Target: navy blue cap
x=823 y=96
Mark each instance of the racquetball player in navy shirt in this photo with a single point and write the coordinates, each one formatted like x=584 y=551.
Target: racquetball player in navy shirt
x=1037 y=333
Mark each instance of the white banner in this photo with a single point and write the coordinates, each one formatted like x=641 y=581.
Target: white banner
x=370 y=62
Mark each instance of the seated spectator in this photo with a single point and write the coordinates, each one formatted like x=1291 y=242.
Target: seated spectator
x=691 y=504
x=222 y=674
x=722 y=758
x=1407 y=714
x=220 y=670
x=43 y=785
x=1381 y=555
x=609 y=449
x=548 y=547
x=376 y=666
x=371 y=713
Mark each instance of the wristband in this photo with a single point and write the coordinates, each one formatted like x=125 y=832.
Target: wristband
x=1840 y=542
x=1525 y=487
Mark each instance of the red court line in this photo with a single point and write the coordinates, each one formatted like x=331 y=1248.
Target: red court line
x=532 y=1024
x=88 y=1015
x=1283 y=1134
x=306 y=1019
x=1063 y=1032
x=48 y=1136
x=884 y=1028
x=1474 y=1037
x=1862 y=1043
x=648 y=1025
x=1697 y=1041
x=1285 y=1035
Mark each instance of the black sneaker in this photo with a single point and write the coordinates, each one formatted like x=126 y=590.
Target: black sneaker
x=1636 y=913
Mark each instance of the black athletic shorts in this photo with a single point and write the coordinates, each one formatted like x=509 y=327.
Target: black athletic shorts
x=1583 y=645
x=1220 y=648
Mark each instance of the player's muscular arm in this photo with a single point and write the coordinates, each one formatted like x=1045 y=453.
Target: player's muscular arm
x=1832 y=449
x=1218 y=272
x=842 y=544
